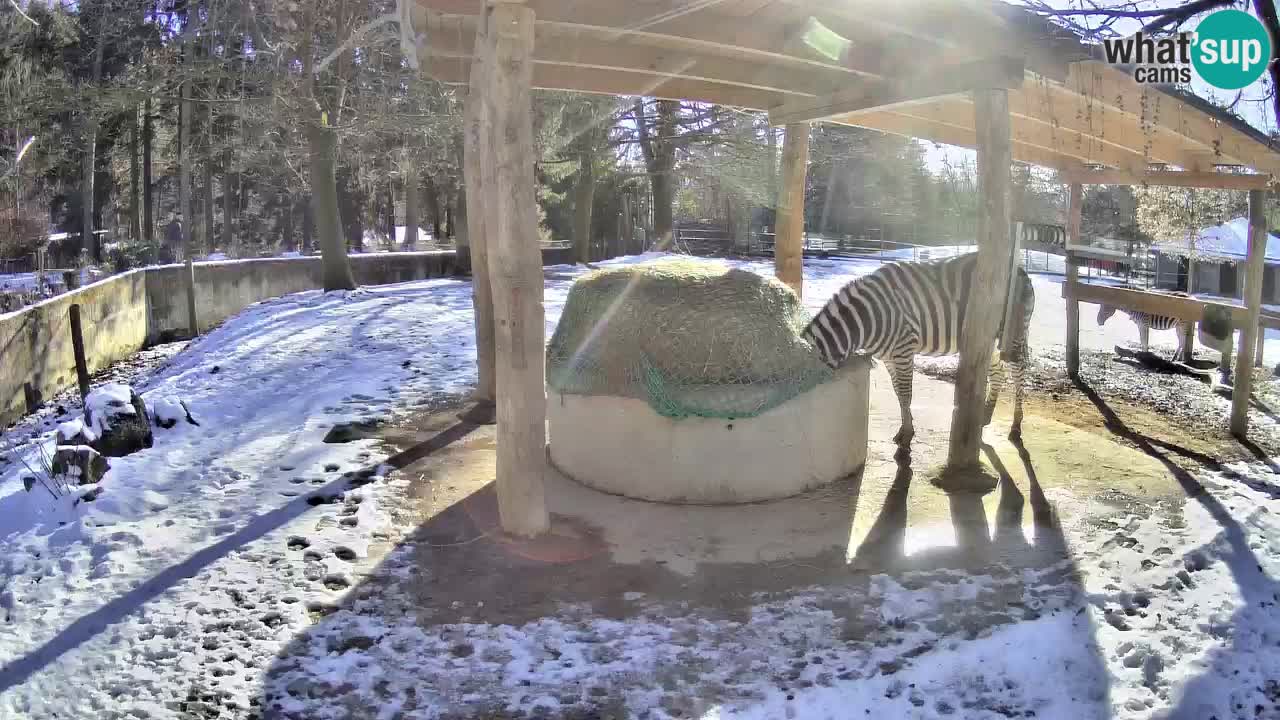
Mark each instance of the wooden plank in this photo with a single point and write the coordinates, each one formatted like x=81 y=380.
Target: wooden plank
x=1046 y=108
x=516 y=268
x=1255 y=264
x=576 y=46
x=1156 y=303
x=1173 y=178
x=951 y=135
x=1059 y=141
x=1105 y=85
x=1075 y=213
x=788 y=249
x=475 y=133
x=771 y=33
x=984 y=74
x=455 y=71
x=990 y=281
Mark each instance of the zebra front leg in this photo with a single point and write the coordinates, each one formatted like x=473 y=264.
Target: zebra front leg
x=995 y=383
x=1019 y=372
x=900 y=370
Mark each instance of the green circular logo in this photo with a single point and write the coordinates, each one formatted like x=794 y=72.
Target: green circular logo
x=1231 y=49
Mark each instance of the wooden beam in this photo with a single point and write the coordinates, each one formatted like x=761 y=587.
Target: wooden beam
x=984 y=74
x=788 y=247
x=1190 y=309
x=990 y=282
x=455 y=71
x=576 y=46
x=1106 y=85
x=1059 y=141
x=951 y=135
x=516 y=267
x=1255 y=263
x=1075 y=214
x=1173 y=178
x=1049 y=111
x=475 y=128
x=727 y=28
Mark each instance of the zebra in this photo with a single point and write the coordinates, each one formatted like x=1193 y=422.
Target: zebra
x=1147 y=322
x=906 y=309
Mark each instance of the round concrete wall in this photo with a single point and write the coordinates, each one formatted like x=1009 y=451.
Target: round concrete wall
x=620 y=445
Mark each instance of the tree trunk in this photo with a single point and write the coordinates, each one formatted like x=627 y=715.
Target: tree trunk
x=433 y=207
x=664 y=199
x=228 y=205
x=323 y=146
x=508 y=167
x=286 y=224
x=88 y=240
x=410 y=204
x=308 y=224
x=584 y=192
x=135 y=177
x=209 y=232
x=148 y=199
x=391 y=209
x=185 y=147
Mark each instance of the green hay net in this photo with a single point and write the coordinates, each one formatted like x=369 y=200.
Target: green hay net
x=689 y=338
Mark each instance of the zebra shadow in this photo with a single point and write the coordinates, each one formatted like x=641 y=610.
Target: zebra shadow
x=996 y=575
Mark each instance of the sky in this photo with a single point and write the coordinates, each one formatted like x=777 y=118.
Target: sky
x=1257 y=114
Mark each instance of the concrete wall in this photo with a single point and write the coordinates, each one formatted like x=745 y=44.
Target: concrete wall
x=35 y=342
x=124 y=313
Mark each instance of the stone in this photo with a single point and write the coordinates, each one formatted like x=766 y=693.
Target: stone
x=79 y=464
x=167 y=412
x=345 y=432
x=118 y=418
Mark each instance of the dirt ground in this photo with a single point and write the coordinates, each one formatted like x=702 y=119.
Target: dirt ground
x=1082 y=458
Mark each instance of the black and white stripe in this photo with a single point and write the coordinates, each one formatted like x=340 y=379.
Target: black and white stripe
x=917 y=308
x=1147 y=322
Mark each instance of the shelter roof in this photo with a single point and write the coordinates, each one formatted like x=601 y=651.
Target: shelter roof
x=903 y=66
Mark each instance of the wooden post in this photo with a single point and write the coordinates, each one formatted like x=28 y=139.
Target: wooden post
x=77 y=345
x=1075 y=212
x=476 y=127
x=990 y=281
x=788 y=245
x=516 y=268
x=189 y=275
x=1262 y=338
x=1253 y=302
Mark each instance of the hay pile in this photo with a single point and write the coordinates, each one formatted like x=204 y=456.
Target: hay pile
x=690 y=338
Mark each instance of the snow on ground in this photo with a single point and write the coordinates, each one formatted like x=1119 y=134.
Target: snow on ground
x=208 y=553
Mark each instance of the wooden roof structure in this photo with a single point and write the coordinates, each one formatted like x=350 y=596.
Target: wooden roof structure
x=900 y=67
x=974 y=73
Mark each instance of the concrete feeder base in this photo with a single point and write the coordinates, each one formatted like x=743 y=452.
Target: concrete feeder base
x=619 y=445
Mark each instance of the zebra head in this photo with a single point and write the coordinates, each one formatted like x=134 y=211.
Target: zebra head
x=1104 y=313
x=836 y=332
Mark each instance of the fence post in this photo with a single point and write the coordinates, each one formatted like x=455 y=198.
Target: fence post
x=77 y=345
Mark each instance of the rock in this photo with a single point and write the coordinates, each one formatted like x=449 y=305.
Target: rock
x=79 y=464
x=346 y=432
x=74 y=432
x=117 y=416
x=169 y=411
